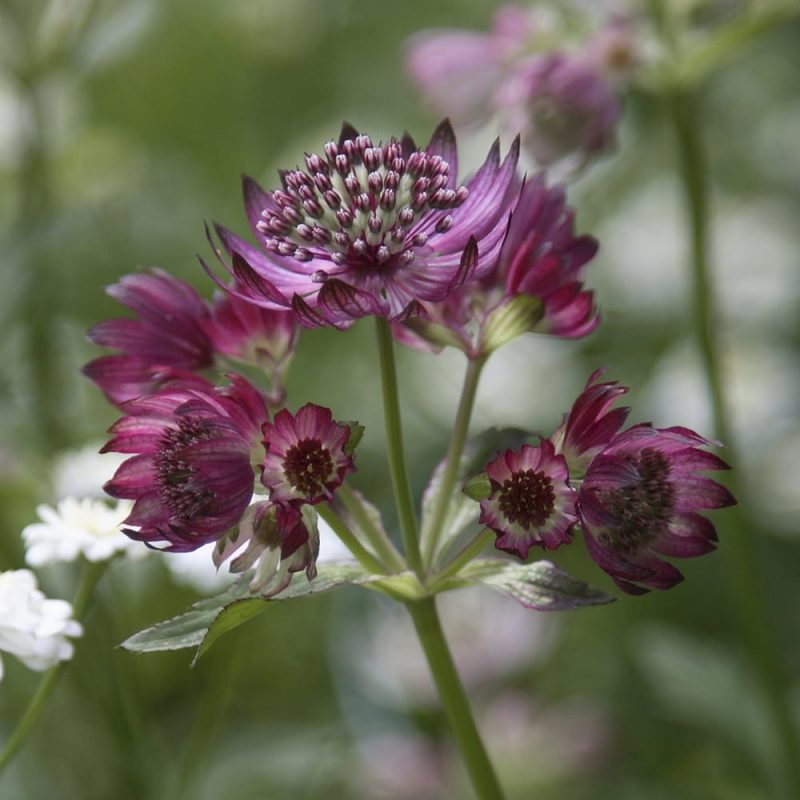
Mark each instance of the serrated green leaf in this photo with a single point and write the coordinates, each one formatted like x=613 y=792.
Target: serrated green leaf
x=209 y=618
x=540 y=585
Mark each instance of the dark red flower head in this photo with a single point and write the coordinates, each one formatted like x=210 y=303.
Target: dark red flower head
x=534 y=284
x=531 y=502
x=278 y=539
x=307 y=456
x=164 y=345
x=192 y=473
x=639 y=503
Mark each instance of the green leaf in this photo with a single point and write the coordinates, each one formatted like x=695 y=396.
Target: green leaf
x=540 y=585
x=209 y=618
x=477 y=452
x=356 y=434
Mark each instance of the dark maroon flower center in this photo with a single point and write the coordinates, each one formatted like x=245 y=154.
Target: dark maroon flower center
x=642 y=511
x=307 y=466
x=177 y=489
x=360 y=206
x=527 y=498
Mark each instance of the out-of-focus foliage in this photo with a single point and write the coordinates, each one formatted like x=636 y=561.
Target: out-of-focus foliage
x=123 y=126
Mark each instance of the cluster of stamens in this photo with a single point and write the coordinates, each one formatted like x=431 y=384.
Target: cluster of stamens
x=642 y=511
x=307 y=466
x=527 y=498
x=358 y=205
x=174 y=474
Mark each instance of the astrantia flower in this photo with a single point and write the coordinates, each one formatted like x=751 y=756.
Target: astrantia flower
x=78 y=527
x=260 y=336
x=371 y=229
x=438 y=60
x=534 y=284
x=531 y=502
x=278 y=539
x=192 y=475
x=32 y=628
x=639 y=502
x=590 y=425
x=563 y=106
x=534 y=76
x=307 y=456
x=168 y=340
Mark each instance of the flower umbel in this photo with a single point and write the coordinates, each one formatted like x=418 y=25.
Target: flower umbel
x=371 y=229
x=639 y=502
x=531 y=502
x=192 y=475
x=32 y=628
x=307 y=456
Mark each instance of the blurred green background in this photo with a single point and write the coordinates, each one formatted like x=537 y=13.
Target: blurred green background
x=123 y=126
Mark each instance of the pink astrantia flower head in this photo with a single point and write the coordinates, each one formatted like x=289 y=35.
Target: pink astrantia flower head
x=371 y=229
x=438 y=60
x=563 y=105
x=278 y=539
x=166 y=343
x=307 y=456
x=639 y=503
x=591 y=423
x=531 y=502
x=191 y=475
x=534 y=285
x=263 y=337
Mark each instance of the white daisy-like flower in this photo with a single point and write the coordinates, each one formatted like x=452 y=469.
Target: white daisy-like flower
x=32 y=627
x=82 y=473
x=79 y=527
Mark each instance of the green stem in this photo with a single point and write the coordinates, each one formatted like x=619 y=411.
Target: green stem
x=394 y=446
x=91 y=575
x=454 y=699
x=462 y=558
x=454 y=452
x=377 y=536
x=365 y=558
x=740 y=545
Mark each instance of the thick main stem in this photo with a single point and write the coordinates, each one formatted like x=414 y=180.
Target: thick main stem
x=454 y=699
x=740 y=549
x=394 y=445
x=91 y=575
x=454 y=452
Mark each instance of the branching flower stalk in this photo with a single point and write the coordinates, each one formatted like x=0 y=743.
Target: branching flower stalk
x=385 y=230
